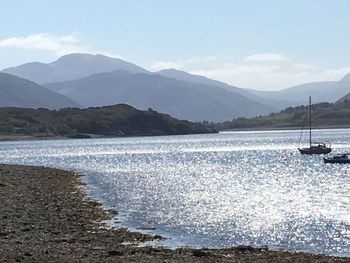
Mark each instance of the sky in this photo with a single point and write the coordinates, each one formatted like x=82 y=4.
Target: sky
x=266 y=45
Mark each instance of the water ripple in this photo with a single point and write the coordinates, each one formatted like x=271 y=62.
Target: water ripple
x=213 y=190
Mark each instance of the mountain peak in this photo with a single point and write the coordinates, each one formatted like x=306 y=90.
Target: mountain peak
x=175 y=71
x=72 y=66
x=171 y=70
x=83 y=56
x=73 y=56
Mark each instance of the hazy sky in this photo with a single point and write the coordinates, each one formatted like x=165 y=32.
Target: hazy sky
x=262 y=44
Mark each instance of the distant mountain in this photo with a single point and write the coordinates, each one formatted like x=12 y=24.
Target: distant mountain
x=72 y=66
x=18 y=92
x=323 y=91
x=275 y=104
x=117 y=120
x=206 y=93
x=184 y=100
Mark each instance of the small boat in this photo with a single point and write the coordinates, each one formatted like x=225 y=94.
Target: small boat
x=314 y=148
x=338 y=158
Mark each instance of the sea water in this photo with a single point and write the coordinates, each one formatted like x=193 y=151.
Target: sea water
x=213 y=190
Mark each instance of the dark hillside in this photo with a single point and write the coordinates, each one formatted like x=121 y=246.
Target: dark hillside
x=323 y=115
x=117 y=120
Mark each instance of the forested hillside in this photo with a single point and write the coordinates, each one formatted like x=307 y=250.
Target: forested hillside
x=323 y=115
x=117 y=120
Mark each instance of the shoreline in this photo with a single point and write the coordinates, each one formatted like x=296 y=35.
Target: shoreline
x=47 y=217
x=293 y=128
x=12 y=137
x=15 y=138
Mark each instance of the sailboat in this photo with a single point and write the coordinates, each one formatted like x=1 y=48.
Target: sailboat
x=314 y=148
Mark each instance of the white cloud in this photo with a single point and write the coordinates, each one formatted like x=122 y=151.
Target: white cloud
x=181 y=64
x=266 y=57
x=304 y=67
x=336 y=74
x=244 y=75
x=267 y=73
x=199 y=60
x=269 y=77
x=60 y=45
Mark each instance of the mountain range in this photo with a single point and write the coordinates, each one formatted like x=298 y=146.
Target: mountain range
x=187 y=77
x=97 y=80
x=322 y=91
x=180 y=99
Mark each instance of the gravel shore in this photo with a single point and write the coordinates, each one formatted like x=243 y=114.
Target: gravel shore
x=45 y=217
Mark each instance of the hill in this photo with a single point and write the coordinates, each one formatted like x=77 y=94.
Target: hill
x=117 y=120
x=18 y=92
x=69 y=67
x=323 y=115
x=191 y=101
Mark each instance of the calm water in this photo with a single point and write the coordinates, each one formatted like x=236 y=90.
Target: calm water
x=214 y=190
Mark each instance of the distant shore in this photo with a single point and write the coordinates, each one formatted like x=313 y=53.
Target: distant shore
x=4 y=138
x=15 y=137
x=293 y=128
x=45 y=217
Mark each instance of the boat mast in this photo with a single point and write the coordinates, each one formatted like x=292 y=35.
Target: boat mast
x=310 y=119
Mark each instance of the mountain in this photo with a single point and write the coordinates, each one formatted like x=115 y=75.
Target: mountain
x=275 y=104
x=72 y=66
x=18 y=92
x=324 y=115
x=323 y=91
x=243 y=102
x=81 y=66
x=184 y=100
x=78 y=66
x=117 y=120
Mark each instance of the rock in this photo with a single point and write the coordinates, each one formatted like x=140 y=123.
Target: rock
x=243 y=248
x=113 y=253
x=200 y=253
